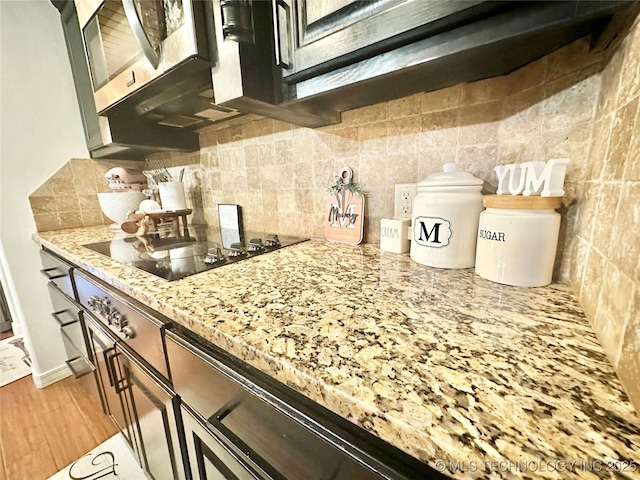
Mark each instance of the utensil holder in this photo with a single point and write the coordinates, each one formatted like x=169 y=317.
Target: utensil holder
x=172 y=196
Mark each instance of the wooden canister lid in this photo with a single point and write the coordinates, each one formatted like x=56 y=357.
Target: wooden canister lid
x=534 y=202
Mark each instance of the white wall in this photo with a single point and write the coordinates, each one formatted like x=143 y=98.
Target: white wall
x=40 y=130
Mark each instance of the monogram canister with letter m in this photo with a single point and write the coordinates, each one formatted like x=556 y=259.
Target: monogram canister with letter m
x=445 y=215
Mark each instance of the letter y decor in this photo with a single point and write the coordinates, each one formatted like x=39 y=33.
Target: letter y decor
x=345 y=210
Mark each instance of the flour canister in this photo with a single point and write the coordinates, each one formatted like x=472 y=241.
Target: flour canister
x=445 y=215
x=517 y=239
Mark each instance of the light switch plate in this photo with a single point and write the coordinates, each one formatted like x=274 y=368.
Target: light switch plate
x=404 y=195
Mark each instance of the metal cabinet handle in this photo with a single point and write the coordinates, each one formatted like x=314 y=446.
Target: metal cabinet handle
x=237 y=20
x=138 y=30
x=282 y=52
x=45 y=272
x=61 y=322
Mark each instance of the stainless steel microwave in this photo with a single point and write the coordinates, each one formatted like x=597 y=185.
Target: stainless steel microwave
x=131 y=43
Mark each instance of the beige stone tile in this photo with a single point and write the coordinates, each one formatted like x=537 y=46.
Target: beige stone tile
x=625 y=250
x=579 y=258
x=302 y=175
x=47 y=221
x=41 y=205
x=283 y=151
x=403 y=135
x=70 y=219
x=377 y=204
x=323 y=173
x=67 y=203
x=208 y=137
x=91 y=217
x=607 y=99
x=439 y=129
x=599 y=147
x=587 y=207
x=254 y=201
x=372 y=173
x=622 y=132
x=373 y=138
x=439 y=100
x=270 y=201
x=529 y=76
x=402 y=168
x=613 y=310
x=319 y=146
x=88 y=202
x=519 y=149
x=630 y=74
x=268 y=155
x=254 y=179
x=345 y=142
x=320 y=196
x=304 y=200
x=608 y=200
x=483 y=91
x=521 y=114
x=632 y=166
x=568 y=105
x=431 y=161
x=282 y=129
x=572 y=79
x=572 y=143
x=479 y=160
x=404 y=107
x=592 y=284
x=43 y=190
x=236 y=135
x=86 y=185
x=370 y=114
x=252 y=156
x=286 y=201
x=571 y=58
x=628 y=366
x=567 y=234
x=479 y=123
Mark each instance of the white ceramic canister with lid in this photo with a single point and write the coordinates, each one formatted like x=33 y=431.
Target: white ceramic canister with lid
x=517 y=239
x=444 y=219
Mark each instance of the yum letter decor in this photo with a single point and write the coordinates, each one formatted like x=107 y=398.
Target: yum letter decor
x=532 y=178
x=345 y=210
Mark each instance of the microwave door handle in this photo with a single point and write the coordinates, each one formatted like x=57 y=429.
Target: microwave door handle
x=138 y=31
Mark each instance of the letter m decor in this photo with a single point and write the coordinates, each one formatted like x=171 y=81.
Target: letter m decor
x=432 y=232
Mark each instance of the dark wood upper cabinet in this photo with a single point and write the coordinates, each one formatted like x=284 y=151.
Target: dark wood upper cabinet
x=316 y=36
x=345 y=54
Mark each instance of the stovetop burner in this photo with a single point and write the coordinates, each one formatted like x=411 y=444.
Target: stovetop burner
x=173 y=258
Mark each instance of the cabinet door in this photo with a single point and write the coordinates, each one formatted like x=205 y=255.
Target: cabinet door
x=316 y=36
x=152 y=412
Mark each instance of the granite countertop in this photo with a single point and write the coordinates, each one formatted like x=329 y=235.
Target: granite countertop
x=444 y=365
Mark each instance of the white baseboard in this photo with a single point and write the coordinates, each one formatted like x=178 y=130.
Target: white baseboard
x=52 y=376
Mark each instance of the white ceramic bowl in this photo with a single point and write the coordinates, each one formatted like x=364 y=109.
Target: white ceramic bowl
x=115 y=205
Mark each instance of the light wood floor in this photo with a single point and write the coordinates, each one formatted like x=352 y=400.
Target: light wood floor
x=43 y=431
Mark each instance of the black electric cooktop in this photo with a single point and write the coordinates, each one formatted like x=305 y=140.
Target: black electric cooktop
x=173 y=258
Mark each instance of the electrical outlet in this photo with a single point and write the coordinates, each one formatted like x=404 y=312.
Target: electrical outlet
x=405 y=193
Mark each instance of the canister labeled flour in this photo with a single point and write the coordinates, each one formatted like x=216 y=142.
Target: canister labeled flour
x=517 y=239
x=445 y=215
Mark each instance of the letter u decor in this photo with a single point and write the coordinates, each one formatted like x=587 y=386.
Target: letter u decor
x=345 y=210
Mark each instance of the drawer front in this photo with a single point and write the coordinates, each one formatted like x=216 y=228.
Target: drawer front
x=260 y=434
x=68 y=315
x=143 y=327
x=57 y=271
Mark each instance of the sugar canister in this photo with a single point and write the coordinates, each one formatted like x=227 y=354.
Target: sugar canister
x=445 y=215
x=517 y=239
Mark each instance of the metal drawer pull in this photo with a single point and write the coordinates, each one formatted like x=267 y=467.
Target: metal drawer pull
x=56 y=316
x=45 y=272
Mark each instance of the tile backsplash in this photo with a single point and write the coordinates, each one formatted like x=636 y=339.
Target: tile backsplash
x=571 y=103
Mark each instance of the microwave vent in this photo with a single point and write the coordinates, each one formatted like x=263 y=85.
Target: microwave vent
x=180 y=121
x=217 y=114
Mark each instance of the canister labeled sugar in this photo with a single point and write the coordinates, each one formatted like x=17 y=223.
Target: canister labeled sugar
x=517 y=239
